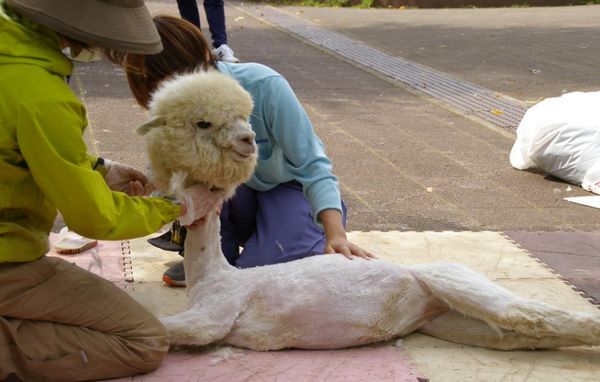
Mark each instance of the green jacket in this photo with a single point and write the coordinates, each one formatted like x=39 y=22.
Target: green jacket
x=44 y=165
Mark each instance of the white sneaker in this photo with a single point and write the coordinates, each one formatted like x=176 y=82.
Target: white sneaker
x=225 y=54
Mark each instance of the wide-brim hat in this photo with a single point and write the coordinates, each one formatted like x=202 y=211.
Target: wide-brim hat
x=123 y=25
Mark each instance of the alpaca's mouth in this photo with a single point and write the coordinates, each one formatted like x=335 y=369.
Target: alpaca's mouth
x=240 y=157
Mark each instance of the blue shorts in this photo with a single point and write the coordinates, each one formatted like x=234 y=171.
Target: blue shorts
x=274 y=226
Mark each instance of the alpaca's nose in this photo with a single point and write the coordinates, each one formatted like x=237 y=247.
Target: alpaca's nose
x=247 y=139
x=242 y=138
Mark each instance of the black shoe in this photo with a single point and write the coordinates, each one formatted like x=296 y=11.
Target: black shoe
x=175 y=275
x=171 y=240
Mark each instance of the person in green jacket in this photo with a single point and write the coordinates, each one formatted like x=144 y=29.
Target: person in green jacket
x=58 y=321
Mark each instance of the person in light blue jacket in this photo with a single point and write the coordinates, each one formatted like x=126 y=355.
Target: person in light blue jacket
x=291 y=207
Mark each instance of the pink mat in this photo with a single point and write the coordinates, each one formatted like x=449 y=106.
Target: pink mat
x=381 y=362
x=367 y=363
x=110 y=264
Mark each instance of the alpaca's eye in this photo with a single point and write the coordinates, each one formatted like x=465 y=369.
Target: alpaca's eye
x=203 y=125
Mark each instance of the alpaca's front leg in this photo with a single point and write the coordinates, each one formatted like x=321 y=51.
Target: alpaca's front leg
x=194 y=328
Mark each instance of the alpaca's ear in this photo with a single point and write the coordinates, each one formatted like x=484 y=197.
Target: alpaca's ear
x=154 y=122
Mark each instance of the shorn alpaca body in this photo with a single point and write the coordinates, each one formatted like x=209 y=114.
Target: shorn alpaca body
x=320 y=302
x=329 y=302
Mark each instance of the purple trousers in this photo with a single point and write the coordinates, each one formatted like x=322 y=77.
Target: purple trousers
x=274 y=226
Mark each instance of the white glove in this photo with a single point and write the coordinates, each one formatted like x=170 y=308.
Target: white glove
x=124 y=178
x=199 y=201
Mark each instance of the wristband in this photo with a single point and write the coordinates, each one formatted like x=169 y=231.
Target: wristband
x=99 y=162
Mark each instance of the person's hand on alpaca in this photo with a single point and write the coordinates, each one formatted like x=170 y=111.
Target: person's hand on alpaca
x=347 y=248
x=197 y=202
x=337 y=242
x=124 y=178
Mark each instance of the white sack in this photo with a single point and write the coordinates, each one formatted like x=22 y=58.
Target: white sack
x=561 y=137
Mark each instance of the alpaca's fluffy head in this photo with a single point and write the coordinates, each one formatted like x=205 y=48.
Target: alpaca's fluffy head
x=199 y=127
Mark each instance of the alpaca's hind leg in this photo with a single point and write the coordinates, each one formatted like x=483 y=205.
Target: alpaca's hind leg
x=475 y=296
x=455 y=327
x=535 y=318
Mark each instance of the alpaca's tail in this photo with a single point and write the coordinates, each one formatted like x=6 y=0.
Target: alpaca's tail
x=473 y=295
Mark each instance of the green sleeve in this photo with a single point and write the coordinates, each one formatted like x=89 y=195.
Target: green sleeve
x=50 y=139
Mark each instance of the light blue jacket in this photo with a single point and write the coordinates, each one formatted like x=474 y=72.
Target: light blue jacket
x=288 y=148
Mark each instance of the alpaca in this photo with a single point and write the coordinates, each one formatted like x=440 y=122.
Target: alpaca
x=320 y=302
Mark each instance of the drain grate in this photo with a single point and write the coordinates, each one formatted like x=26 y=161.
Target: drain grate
x=467 y=97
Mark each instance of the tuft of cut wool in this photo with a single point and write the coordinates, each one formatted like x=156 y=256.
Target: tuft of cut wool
x=224 y=353
x=177 y=183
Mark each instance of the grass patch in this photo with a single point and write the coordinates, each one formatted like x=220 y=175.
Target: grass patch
x=367 y=4
x=325 y=3
x=309 y=3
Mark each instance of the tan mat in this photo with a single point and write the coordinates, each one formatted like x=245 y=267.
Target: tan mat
x=490 y=253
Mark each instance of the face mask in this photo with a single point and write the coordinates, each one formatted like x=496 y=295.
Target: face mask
x=85 y=55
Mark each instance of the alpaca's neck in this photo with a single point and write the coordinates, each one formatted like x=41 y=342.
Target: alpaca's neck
x=203 y=255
